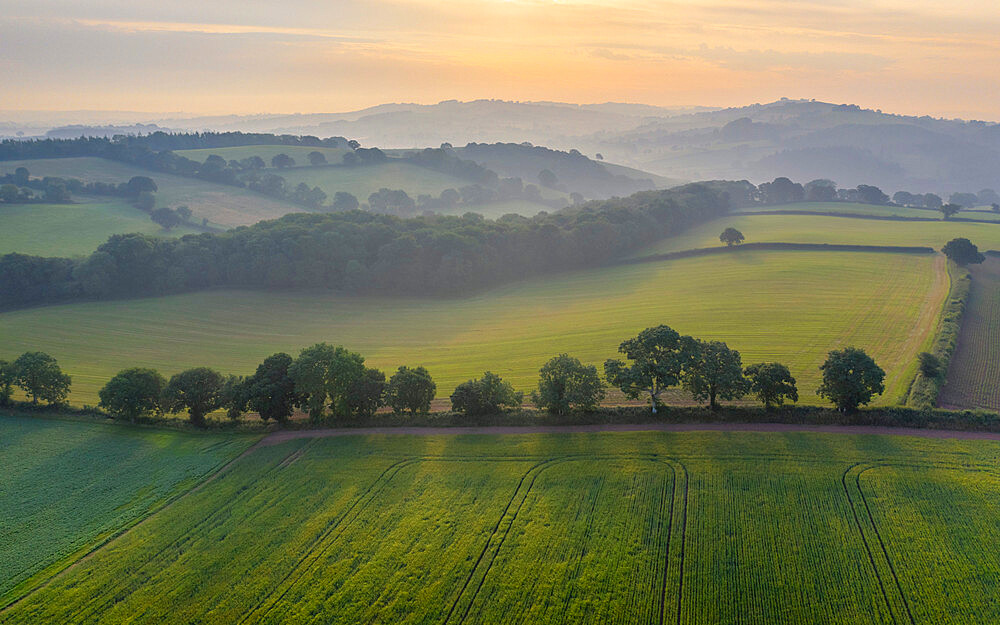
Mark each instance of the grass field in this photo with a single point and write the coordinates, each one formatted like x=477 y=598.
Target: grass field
x=687 y=528
x=67 y=486
x=789 y=306
x=973 y=379
x=266 y=152
x=821 y=229
x=870 y=209
x=221 y=204
x=72 y=229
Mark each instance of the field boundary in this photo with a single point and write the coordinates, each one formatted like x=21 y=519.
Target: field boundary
x=777 y=246
x=924 y=391
x=863 y=216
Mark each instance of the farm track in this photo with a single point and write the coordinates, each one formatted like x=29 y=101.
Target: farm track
x=288 y=435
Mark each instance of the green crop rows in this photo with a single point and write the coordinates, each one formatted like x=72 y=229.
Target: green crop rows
x=66 y=486
x=974 y=374
x=689 y=528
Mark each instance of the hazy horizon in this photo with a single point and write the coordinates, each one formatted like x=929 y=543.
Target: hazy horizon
x=302 y=56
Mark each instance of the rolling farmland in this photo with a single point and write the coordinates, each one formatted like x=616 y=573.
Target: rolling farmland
x=822 y=229
x=222 y=205
x=68 y=486
x=850 y=208
x=72 y=229
x=569 y=528
x=973 y=379
x=770 y=305
x=267 y=152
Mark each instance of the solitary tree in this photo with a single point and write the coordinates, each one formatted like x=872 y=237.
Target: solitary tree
x=658 y=357
x=949 y=209
x=487 y=395
x=39 y=375
x=198 y=390
x=715 y=372
x=995 y=207
x=772 y=383
x=316 y=158
x=21 y=176
x=963 y=252
x=566 y=383
x=282 y=161
x=851 y=379
x=6 y=382
x=271 y=390
x=411 y=389
x=731 y=237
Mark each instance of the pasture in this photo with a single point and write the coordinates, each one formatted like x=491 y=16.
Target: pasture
x=266 y=152
x=72 y=229
x=222 y=205
x=66 y=487
x=822 y=229
x=850 y=208
x=771 y=305
x=973 y=379
x=642 y=527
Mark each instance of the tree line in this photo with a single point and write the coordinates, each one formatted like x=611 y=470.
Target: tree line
x=332 y=382
x=357 y=251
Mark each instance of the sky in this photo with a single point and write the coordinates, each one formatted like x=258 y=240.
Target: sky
x=251 y=56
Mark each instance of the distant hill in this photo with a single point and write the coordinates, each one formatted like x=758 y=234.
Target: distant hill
x=796 y=138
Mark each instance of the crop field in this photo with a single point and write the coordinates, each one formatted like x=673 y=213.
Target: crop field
x=771 y=305
x=973 y=379
x=65 y=487
x=72 y=229
x=266 y=152
x=822 y=229
x=222 y=205
x=870 y=209
x=643 y=527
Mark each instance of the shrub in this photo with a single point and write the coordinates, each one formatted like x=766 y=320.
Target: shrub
x=487 y=395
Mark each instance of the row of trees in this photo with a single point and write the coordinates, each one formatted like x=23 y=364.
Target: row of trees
x=358 y=251
x=331 y=381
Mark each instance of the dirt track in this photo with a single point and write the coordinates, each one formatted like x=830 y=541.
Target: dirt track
x=279 y=437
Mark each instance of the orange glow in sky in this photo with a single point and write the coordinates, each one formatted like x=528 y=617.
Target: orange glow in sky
x=308 y=56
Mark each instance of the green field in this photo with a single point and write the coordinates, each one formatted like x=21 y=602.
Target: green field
x=771 y=305
x=689 y=528
x=869 y=209
x=266 y=152
x=821 y=229
x=66 y=486
x=973 y=379
x=72 y=229
x=221 y=204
